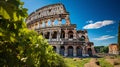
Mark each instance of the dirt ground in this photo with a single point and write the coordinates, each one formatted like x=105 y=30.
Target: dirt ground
x=92 y=63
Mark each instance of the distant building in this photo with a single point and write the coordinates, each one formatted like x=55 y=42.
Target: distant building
x=64 y=38
x=113 y=49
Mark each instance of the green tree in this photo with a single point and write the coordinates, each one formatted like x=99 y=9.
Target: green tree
x=104 y=49
x=20 y=47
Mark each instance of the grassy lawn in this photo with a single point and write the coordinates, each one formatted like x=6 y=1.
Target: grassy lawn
x=104 y=63
x=76 y=62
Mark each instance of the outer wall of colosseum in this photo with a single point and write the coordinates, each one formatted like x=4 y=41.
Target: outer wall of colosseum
x=53 y=23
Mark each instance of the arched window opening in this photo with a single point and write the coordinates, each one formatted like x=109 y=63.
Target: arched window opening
x=79 y=51
x=70 y=51
x=54 y=48
x=62 y=49
x=54 y=36
x=62 y=34
x=82 y=38
x=47 y=35
x=90 y=52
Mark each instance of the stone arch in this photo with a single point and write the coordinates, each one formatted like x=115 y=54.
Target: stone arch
x=54 y=48
x=49 y=22
x=62 y=50
x=89 y=50
x=54 y=35
x=70 y=34
x=82 y=38
x=62 y=34
x=63 y=21
x=47 y=35
x=79 y=51
x=43 y=24
x=70 y=51
x=55 y=22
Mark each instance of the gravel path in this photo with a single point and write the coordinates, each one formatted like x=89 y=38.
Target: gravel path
x=91 y=63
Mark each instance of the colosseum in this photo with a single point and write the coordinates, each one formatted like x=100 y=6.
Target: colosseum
x=53 y=23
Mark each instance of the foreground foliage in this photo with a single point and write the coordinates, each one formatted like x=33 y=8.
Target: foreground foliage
x=20 y=47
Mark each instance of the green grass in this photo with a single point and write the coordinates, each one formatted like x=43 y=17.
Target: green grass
x=104 y=63
x=70 y=62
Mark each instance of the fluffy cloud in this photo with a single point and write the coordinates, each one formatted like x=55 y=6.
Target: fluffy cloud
x=90 y=21
x=104 y=37
x=98 y=24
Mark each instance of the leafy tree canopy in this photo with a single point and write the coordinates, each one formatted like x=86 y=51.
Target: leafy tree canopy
x=20 y=47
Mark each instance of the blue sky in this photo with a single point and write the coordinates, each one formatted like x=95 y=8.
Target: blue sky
x=99 y=17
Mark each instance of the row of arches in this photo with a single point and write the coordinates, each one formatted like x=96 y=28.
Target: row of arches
x=70 y=51
x=46 y=23
x=54 y=35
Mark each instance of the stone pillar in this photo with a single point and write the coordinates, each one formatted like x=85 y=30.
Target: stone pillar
x=58 y=35
x=36 y=25
x=59 y=21
x=66 y=34
x=40 y=24
x=83 y=51
x=46 y=23
x=67 y=20
x=50 y=36
x=43 y=34
x=74 y=34
x=93 y=50
x=74 y=51
x=52 y=22
x=66 y=51
x=58 y=49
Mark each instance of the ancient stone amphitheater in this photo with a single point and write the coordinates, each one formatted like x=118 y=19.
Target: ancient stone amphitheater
x=53 y=22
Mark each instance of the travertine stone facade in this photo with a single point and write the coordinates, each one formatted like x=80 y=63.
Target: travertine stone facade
x=64 y=38
x=113 y=49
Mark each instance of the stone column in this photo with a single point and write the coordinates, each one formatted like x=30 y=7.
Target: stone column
x=59 y=21
x=67 y=20
x=58 y=35
x=58 y=49
x=40 y=24
x=52 y=22
x=93 y=50
x=46 y=23
x=74 y=51
x=66 y=34
x=50 y=36
x=66 y=51
x=43 y=34
x=83 y=51
x=36 y=25
x=74 y=34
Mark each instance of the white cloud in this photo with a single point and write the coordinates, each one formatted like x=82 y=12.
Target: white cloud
x=98 y=24
x=104 y=37
x=90 y=21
